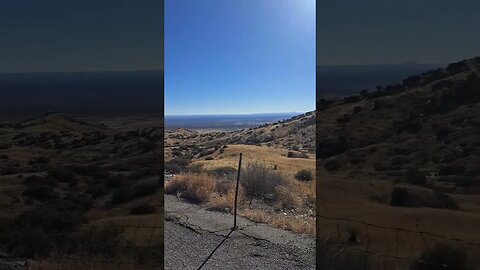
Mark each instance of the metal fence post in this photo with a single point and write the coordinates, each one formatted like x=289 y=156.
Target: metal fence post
x=236 y=194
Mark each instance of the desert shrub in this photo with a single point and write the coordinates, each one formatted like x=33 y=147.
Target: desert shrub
x=293 y=154
x=357 y=109
x=196 y=188
x=259 y=180
x=441 y=257
x=451 y=169
x=442 y=201
x=40 y=192
x=206 y=152
x=3 y=156
x=144 y=188
x=332 y=164
x=115 y=181
x=194 y=168
x=96 y=190
x=353 y=235
x=103 y=242
x=37 y=180
x=143 y=209
x=62 y=174
x=41 y=160
x=416 y=177
x=121 y=195
x=331 y=147
x=288 y=199
x=404 y=197
x=209 y=158
x=176 y=165
x=304 y=175
x=36 y=232
x=398 y=196
x=224 y=200
x=344 y=119
x=223 y=171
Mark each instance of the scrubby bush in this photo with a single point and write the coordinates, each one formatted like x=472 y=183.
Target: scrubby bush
x=40 y=192
x=62 y=174
x=259 y=180
x=35 y=180
x=332 y=164
x=293 y=154
x=416 y=177
x=441 y=257
x=3 y=156
x=304 y=175
x=144 y=188
x=398 y=196
x=121 y=195
x=223 y=171
x=451 y=169
x=196 y=188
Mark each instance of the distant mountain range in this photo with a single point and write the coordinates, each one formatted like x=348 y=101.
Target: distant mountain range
x=348 y=80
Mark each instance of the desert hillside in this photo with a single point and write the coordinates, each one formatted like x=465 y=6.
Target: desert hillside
x=398 y=171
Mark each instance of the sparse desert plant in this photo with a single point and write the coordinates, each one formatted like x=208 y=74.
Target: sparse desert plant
x=259 y=180
x=196 y=188
x=33 y=180
x=223 y=171
x=416 y=177
x=398 y=196
x=145 y=187
x=353 y=235
x=40 y=192
x=225 y=201
x=441 y=257
x=62 y=174
x=331 y=164
x=288 y=199
x=304 y=175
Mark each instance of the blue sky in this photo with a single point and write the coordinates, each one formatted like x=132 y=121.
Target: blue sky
x=235 y=57
x=397 y=31
x=87 y=35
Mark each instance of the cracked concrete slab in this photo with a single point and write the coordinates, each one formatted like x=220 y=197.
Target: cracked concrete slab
x=192 y=233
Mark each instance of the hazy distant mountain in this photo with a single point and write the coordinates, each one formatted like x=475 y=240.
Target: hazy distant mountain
x=225 y=122
x=347 y=80
x=82 y=92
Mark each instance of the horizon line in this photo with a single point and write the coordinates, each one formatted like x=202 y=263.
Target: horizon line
x=232 y=114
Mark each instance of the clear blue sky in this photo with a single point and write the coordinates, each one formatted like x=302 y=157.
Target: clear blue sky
x=397 y=31
x=232 y=57
x=86 y=35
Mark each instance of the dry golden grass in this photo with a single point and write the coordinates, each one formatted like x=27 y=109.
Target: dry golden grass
x=226 y=201
x=288 y=199
x=194 y=187
x=141 y=230
x=297 y=225
x=341 y=197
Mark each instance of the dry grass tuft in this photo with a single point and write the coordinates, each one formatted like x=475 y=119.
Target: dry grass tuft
x=288 y=199
x=196 y=188
x=293 y=224
x=226 y=201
